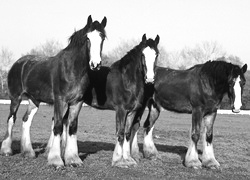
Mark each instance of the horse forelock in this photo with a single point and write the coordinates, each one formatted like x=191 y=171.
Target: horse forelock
x=97 y=26
x=152 y=45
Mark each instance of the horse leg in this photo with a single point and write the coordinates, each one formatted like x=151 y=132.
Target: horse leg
x=26 y=146
x=135 y=153
x=149 y=149
x=64 y=134
x=128 y=160
x=51 y=138
x=120 y=124
x=63 y=143
x=71 y=156
x=191 y=158
x=54 y=154
x=6 y=143
x=208 y=159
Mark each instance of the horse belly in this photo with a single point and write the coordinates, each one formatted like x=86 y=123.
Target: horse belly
x=38 y=85
x=177 y=103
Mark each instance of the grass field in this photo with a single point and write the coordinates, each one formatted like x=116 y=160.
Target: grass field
x=96 y=138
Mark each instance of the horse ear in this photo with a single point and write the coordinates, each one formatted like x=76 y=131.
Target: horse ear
x=104 y=22
x=244 y=68
x=157 y=39
x=89 y=20
x=144 y=38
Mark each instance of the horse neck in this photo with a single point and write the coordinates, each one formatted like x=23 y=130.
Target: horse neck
x=134 y=67
x=218 y=81
x=76 y=59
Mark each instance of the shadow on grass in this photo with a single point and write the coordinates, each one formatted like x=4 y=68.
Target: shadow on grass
x=91 y=147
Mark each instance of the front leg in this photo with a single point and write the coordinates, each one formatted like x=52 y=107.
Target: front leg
x=54 y=154
x=191 y=158
x=122 y=156
x=71 y=156
x=149 y=149
x=208 y=158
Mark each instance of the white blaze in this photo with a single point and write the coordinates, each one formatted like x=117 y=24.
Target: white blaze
x=95 y=48
x=150 y=56
x=237 y=93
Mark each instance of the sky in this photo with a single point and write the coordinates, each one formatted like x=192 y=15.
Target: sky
x=26 y=24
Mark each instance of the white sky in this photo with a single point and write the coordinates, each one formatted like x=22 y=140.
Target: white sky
x=26 y=24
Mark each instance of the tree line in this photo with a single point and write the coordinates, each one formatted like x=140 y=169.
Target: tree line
x=183 y=59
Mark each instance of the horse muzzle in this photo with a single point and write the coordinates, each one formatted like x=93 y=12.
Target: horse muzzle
x=95 y=67
x=149 y=80
x=235 y=110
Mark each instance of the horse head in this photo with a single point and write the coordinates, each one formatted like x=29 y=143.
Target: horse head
x=149 y=57
x=236 y=85
x=95 y=37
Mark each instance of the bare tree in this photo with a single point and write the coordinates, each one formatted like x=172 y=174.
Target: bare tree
x=163 y=60
x=200 y=53
x=120 y=51
x=6 y=61
x=49 y=48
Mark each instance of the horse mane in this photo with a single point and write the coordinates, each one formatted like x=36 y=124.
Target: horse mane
x=131 y=55
x=219 y=71
x=78 y=38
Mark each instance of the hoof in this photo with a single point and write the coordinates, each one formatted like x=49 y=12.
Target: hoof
x=124 y=163
x=56 y=162
x=136 y=157
x=151 y=155
x=74 y=161
x=211 y=164
x=196 y=164
x=7 y=152
x=29 y=154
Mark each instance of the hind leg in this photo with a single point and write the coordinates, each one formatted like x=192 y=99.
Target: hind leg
x=135 y=153
x=26 y=146
x=208 y=158
x=149 y=149
x=191 y=158
x=51 y=138
x=6 y=143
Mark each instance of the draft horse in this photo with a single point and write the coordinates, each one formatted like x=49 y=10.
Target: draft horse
x=61 y=81
x=121 y=87
x=199 y=91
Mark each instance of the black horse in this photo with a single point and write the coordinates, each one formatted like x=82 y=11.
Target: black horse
x=198 y=90
x=61 y=81
x=121 y=88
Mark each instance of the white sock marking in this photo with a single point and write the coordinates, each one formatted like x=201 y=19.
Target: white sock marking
x=26 y=142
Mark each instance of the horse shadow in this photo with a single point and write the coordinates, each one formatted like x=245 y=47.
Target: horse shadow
x=85 y=148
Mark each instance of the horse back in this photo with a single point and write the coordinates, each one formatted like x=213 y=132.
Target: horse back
x=176 y=90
